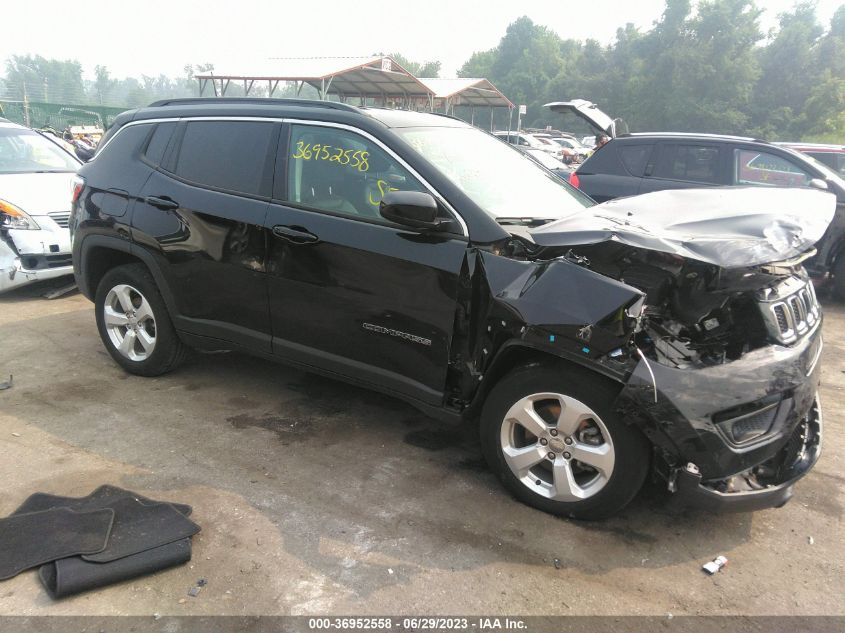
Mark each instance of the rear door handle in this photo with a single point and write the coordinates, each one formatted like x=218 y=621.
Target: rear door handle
x=295 y=234
x=162 y=202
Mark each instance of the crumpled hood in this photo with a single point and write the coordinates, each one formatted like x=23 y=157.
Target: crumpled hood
x=37 y=194
x=731 y=227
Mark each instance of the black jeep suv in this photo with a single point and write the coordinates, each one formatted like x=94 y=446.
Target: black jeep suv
x=417 y=255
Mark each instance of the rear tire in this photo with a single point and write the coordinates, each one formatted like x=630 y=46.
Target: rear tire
x=134 y=324
x=550 y=434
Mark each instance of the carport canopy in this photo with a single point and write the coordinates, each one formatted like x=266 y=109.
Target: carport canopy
x=466 y=92
x=378 y=78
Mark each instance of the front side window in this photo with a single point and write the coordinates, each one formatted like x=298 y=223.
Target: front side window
x=500 y=180
x=23 y=151
x=698 y=163
x=342 y=172
x=761 y=168
x=229 y=155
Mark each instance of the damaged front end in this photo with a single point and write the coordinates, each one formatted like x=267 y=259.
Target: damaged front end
x=30 y=256
x=710 y=324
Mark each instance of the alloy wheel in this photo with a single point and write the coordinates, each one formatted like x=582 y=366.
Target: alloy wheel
x=130 y=322
x=557 y=446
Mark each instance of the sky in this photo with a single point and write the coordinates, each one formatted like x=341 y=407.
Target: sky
x=162 y=36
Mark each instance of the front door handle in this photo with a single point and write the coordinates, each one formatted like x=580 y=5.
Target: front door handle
x=162 y=202
x=295 y=234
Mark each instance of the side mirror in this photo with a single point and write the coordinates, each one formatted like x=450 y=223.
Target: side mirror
x=818 y=183
x=412 y=208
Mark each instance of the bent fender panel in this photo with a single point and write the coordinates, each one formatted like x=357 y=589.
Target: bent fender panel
x=552 y=307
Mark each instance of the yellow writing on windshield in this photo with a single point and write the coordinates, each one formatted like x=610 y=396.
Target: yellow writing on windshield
x=383 y=188
x=357 y=159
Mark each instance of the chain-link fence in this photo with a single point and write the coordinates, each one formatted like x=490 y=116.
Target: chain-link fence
x=58 y=116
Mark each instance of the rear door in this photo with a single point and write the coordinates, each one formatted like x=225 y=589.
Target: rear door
x=351 y=293
x=201 y=214
x=685 y=165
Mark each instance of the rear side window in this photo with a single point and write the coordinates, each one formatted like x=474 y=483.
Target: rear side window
x=634 y=158
x=698 y=163
x=762 y=168
x=230 y=155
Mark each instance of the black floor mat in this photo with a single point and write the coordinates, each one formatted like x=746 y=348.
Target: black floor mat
x=139 y=527
x=100 y=498
x=139 y=523
x=34 y=538
x=74 y=575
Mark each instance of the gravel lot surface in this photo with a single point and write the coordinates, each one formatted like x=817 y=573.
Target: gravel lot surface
x=315 y=497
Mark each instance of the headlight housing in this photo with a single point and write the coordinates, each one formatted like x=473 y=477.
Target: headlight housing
x=12 y=217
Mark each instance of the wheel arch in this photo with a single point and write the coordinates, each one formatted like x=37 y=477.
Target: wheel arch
x=101 y=253
x=516 y=353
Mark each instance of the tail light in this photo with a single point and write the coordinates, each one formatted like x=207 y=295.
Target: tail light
x=77 y=184
x=573 y=180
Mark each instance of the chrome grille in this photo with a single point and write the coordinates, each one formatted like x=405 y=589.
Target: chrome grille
x=792 y=312
x=61 y=218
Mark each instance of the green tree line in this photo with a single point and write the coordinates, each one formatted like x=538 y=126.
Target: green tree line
x=711 y=69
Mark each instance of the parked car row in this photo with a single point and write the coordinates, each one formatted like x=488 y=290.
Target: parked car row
x=566 y=148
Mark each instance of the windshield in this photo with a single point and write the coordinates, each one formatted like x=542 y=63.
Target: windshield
x=24 y=151
x=499 y=179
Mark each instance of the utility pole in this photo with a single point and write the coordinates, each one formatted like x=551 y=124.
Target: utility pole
x=25 y=105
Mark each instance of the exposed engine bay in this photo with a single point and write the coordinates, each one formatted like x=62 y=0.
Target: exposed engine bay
x=695 y=313
x=720 y=269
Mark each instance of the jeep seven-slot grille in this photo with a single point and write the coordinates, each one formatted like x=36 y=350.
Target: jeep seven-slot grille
x=790 y=317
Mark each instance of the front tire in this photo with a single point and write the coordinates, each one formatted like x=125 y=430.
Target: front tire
x=134 y=324
x=552 y=437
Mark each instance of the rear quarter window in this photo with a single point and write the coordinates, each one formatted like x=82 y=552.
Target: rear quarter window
x=605 y=161
x=634 y=158
x=117 y=164
x=158 y=141
x=125 y=144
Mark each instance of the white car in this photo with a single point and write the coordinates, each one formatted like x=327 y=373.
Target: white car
x=35 y=196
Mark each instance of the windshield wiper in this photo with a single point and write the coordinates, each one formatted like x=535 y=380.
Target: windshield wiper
x=532 y=222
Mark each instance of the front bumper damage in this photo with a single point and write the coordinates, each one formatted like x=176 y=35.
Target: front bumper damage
x=796 y=459
x=27 y=256
x=692 y=416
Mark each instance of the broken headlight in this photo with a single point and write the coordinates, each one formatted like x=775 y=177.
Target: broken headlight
x=12 y=217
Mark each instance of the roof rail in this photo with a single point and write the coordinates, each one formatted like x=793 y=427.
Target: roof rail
x=312 y=103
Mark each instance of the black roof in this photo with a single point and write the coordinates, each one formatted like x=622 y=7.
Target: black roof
x=694 y=136
x=292 y=108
